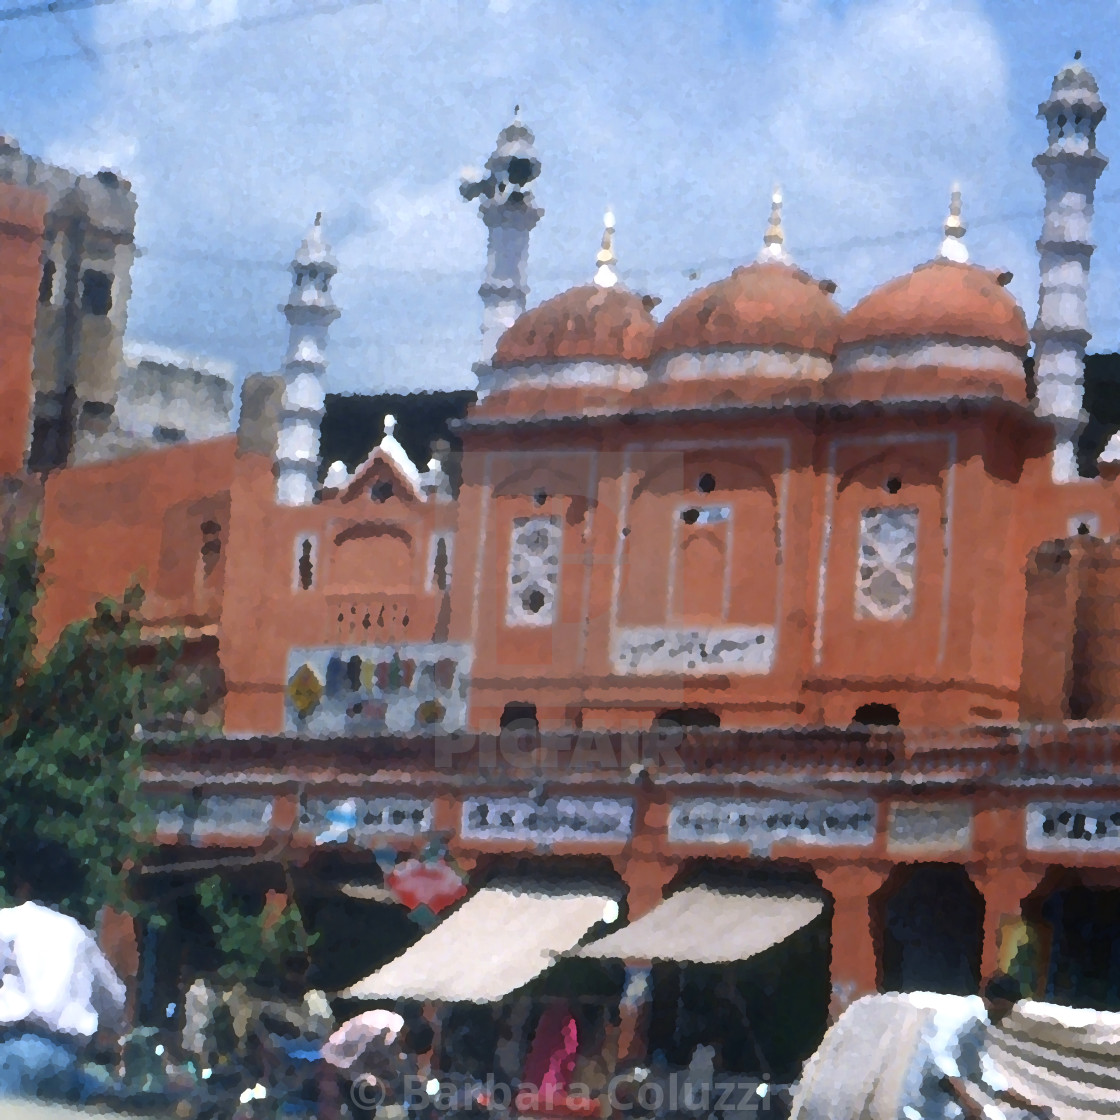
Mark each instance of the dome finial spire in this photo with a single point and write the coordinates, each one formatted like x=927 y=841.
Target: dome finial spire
x=605 y=275
x=774 y=240
x=953 y=247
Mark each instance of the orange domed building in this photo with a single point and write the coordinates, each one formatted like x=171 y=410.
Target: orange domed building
x=801 y=610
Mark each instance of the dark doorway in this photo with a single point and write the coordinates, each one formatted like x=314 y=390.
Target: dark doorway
x=764 y=1016
x=1085 y=950
x=932 y=931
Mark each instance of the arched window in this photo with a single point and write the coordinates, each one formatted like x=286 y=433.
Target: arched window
x=305 y=563
x=519 y=716
x=211 y=549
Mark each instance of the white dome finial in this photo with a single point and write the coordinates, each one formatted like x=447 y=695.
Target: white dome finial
x=953 y=247
x=390 y=426
x=605 y=275
x=774 y=240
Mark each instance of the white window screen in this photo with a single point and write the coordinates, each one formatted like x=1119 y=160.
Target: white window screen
x=534 y=571
x=888 y=544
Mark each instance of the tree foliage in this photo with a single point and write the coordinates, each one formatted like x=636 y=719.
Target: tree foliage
x=70 y=742
x=256 y=947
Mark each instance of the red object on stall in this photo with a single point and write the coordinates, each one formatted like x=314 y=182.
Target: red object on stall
x=436 y=885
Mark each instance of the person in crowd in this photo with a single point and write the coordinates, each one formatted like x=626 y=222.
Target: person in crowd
x=60 y=1001
x=954 y=1078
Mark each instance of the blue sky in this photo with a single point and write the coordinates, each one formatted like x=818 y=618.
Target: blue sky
x=236 y=120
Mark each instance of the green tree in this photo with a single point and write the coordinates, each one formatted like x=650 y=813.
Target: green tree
x=257 y=949
x=70 y=742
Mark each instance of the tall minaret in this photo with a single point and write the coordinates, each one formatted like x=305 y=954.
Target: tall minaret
x=1070 y=168
x=310 y=310
x=507 y=207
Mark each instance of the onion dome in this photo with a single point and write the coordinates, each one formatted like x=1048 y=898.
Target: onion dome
x=768 y=319
x=952 y=320
x=595 y=334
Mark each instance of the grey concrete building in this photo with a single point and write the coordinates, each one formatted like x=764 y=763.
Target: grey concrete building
x=88 y=250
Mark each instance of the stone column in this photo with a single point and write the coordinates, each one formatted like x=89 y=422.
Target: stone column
x=1004 y=889
x=646 y=877
x=855 y=966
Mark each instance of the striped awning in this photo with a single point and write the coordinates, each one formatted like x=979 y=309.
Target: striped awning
x=702 y=925
x=495 y=942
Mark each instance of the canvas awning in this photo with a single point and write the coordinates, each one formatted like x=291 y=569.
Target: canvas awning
x=701 y=925
x=498 y=940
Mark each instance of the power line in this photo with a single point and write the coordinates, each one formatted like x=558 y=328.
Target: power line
x=243 y=23
x=709 y=264
x=54 y=7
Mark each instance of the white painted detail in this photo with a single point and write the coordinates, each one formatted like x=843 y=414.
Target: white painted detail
x=888 y=545
x=1111 y=453
x=1073 y=827
x=533 y=576
x=294 y=488
x=566 y=375
x=303 y=393
x=922 y=827
x=758 y=363
x=979 y=357
x=1063 y=463
x=734 y=649
x=765 y=822
x=359 y=819
x=555 y=819
x=298 y=441
x=1090 y=521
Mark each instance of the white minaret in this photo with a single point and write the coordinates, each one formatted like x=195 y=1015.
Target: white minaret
x=1070 y=168
x=506 y=206
x=310 y=310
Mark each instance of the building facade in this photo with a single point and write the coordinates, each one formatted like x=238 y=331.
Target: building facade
x=762 y=592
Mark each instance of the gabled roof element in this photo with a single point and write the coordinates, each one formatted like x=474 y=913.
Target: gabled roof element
x=388 y=453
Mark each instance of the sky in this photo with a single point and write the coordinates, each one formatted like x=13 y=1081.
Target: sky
x=237 y=120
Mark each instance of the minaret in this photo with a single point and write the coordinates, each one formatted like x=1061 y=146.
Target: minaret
x=1070 y=168
x=953 y=247
x=774 y=240
x=507 y=207
x=310 y=310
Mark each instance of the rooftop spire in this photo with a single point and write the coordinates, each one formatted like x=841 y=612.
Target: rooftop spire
x=605 y=275
x=774 y=241
x=953 y=247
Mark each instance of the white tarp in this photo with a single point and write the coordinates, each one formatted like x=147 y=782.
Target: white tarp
x=54 y=974
x=1061 y=1057
x=700 y=925
x=1064 y=1057
x=498 y=940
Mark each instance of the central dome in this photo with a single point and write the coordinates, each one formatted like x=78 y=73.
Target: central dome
x=770 y=305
